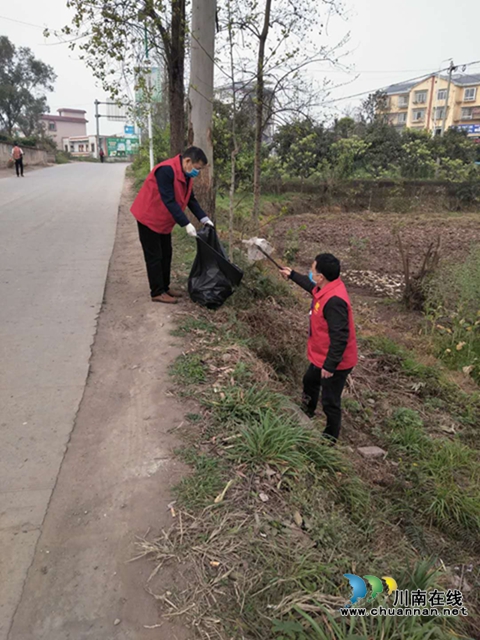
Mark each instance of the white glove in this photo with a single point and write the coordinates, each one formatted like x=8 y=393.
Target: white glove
x=207 y=221
x=190 y=229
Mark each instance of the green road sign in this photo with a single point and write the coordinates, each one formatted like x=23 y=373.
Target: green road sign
x=122 y=147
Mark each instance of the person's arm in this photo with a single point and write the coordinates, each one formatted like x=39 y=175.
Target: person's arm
x=335 y=313
x=196 y=209
x=165 y=178
x=302 y=281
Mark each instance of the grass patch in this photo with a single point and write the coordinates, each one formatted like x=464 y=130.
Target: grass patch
x=190 y=369
x=191 y=325
x=293 y=515
x=453 y=309
x=237 y=406
x=200 y=489
x=442 y=474
x=278 y=440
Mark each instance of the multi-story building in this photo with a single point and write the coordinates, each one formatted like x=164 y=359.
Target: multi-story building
x=69 y=123
x=422 y=104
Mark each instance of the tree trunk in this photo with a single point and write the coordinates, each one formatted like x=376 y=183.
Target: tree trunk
x=201 y=96
x=176 y=88
x=235 y=149
x=259 y=112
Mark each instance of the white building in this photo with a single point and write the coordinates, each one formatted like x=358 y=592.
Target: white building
x=80 y=146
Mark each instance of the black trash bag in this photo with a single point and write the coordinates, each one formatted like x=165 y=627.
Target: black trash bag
x=213 y=277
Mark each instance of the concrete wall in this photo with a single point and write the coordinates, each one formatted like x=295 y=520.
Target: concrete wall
x=31 y=156
x=384 y=195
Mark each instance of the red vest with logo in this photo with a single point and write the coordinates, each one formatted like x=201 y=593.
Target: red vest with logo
x=319 y=340
x=148 y=207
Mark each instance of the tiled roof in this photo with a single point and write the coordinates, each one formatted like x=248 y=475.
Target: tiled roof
x=466 y=79
x=402 y=87
x=460 y=79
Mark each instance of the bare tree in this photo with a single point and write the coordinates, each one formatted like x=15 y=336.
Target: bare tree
x=414 y=291
x=260 y=97
x=278 y=39
x=110 y=36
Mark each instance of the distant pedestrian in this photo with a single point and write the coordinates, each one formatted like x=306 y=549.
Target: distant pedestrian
x=332 y=345
x=17 y=155
x=101 y=154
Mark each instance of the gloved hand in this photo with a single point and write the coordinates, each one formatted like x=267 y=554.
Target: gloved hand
x=206 y=221
x=190 y=229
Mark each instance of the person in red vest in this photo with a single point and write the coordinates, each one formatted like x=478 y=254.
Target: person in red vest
x=332 y=344
x=158 y=207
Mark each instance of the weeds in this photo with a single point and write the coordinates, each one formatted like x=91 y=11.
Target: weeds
x=194 y=325
x=236 y=406
x=293 y=514
x=190 y=369
x=444 y=474
x=200 y=489
x=453 y=310
x=277 y=440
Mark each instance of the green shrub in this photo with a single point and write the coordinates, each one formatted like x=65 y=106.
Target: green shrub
x=278 y=440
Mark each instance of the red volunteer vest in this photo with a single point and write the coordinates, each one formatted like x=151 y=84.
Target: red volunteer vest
x=17 y=153
x=148 y=207
x=319 y=340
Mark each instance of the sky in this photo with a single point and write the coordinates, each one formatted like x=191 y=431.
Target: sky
x=389 y=42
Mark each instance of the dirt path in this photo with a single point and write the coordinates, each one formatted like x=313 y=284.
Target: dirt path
x=116 y=477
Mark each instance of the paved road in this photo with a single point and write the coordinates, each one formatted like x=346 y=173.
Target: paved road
x=57 y=228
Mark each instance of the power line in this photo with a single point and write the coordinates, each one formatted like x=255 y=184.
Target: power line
x=363 y=93
x=28 y=24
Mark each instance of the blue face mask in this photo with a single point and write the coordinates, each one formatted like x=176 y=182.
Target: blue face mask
x=310 y=275
x=193 y=173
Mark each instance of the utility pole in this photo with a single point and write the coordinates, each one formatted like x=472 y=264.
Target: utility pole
x=149 y=116
x=97 y=118
x=450 y=72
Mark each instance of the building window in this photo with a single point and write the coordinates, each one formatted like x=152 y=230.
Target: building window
x=80 y=148
x=93 y=148
x=72 y=147
x=470 y=94
x=439 y=113
x=403 y=102
x=442 y=94
x=420 y=97
x=419 y=115
x=66 y=148
x=467 y=113
x=402 y=118
x=52 y=126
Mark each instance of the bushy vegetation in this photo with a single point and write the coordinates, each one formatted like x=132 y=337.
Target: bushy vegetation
x=40 y=142
x=311 y=153
x=351 y=150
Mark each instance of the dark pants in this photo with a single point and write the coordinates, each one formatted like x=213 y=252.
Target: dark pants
x=19 y=166
x=101 y=157
x=157 y=249
x=331 y=389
